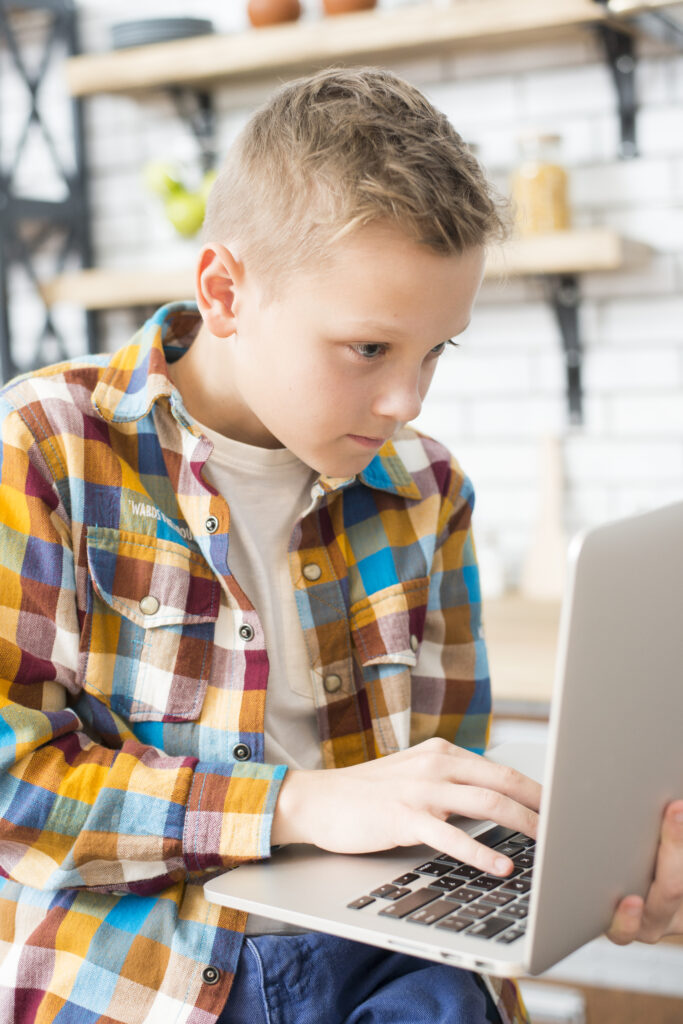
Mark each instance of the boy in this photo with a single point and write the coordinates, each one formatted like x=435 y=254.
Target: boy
x=231 y=507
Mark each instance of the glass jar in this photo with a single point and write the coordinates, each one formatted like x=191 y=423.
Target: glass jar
x=540 y=186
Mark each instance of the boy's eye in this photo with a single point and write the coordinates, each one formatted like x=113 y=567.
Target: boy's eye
x=371 y=352
x=368 y=351
x=442 y=347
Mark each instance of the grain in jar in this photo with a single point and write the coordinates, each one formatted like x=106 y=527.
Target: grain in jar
x=540 y=186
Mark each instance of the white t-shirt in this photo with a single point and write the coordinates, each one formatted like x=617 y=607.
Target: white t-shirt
x=267 y=490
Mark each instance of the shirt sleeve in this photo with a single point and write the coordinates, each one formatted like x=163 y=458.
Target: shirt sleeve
x=74 y=812
x=452 y=663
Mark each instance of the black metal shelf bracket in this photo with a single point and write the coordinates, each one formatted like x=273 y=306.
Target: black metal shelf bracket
x=620 y=52
x=27 y=224
x=619 y=46
x=196 y=108
x=563 y=293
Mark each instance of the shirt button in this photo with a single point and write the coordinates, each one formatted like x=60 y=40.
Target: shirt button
x=246 y=631
x=332 y=683
x=312 y=572
x=414 y=642
x=241 y=752
x=149 y=605
x=211 y=975
x=211 y=525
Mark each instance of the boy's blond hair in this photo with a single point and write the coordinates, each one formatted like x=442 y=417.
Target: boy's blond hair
x=339 y=149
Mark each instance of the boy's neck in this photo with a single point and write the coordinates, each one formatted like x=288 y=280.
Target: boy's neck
x=220 y=408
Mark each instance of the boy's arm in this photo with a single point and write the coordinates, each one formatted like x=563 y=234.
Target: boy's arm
x=73 y=812
x=405 y=798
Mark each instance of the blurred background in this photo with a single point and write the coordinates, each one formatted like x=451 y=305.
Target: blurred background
x=564 y=402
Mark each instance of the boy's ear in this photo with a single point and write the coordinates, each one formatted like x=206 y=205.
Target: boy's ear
x=219 y=275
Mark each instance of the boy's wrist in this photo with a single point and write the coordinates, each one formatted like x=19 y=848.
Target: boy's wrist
x=285 y=817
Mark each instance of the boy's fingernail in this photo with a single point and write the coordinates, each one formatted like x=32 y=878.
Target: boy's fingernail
x=502 y=864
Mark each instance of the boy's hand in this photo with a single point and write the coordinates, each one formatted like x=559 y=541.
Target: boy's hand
x=404 y=799
x=661 y=913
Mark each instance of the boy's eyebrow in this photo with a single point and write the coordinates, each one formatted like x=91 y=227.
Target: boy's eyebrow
x=377 y=327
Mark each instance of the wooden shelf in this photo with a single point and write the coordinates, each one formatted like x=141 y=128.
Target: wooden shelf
x=119 y=289
x=367 y=36
x=564 y=252
x=581 y=251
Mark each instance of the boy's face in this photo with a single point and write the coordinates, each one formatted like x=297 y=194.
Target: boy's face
x=344 y=357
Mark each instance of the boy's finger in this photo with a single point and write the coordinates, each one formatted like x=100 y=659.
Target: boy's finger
x=484 y=804
x=461 y=846
x=489 y=775
x=665 y=897
x=636 y=918
x=626 y=921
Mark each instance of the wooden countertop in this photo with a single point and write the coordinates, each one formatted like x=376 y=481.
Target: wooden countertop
x=521 y=636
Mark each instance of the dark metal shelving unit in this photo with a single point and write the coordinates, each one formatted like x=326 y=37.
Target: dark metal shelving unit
x=33 y=228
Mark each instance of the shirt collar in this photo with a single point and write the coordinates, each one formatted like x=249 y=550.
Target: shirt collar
x=137 y=376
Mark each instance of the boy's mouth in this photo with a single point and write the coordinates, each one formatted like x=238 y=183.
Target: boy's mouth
x=368 y=442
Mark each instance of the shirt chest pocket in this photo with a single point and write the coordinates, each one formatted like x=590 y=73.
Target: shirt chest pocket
x=387 y=626
x=151 y=615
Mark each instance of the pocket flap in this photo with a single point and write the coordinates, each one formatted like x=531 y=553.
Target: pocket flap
x=386 y=626
x=150 y=581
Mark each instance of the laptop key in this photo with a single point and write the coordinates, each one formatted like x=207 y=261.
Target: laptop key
x=520 y=885
x=495 y=835
x=476 y=911
x=509 y=849
x=466 y=871
x=431 y=867
x=455 y=923
x=517 y=911
x=525 y=841
x=446 y=884
x=524 y=860
x=434 y=912
x=463 y=895
x=487 y=929
x=511 y=935
x=389 y=892
x=399 y=894
x=405 y=906
x=406 y=879
x=362 y=901
x=487 y=882
x=497 y=899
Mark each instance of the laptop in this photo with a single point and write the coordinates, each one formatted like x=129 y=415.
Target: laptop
x=614 y=759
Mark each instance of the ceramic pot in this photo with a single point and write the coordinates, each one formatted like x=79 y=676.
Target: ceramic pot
x=346 y=6
x=272 y=12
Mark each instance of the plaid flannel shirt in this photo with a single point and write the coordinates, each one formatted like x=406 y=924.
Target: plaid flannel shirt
x=131 y=744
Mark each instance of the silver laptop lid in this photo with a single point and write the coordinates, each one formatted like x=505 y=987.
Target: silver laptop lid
x=619 y=687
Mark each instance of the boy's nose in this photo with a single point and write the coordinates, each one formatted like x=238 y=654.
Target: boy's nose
x=401 y=402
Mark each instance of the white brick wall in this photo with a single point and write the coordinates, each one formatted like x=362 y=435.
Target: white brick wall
x=503 y=391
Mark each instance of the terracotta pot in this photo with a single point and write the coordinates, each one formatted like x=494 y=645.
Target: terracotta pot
x=347 y=6
x=271 y=12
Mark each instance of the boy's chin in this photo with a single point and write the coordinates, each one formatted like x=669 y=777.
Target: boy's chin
x=344 y=469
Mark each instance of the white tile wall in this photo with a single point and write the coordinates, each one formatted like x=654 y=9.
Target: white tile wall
x=503 y=391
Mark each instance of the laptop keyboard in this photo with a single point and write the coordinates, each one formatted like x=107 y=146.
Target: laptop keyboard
x=449 y=894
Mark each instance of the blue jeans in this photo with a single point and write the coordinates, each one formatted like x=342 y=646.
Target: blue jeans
x=311 y=978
